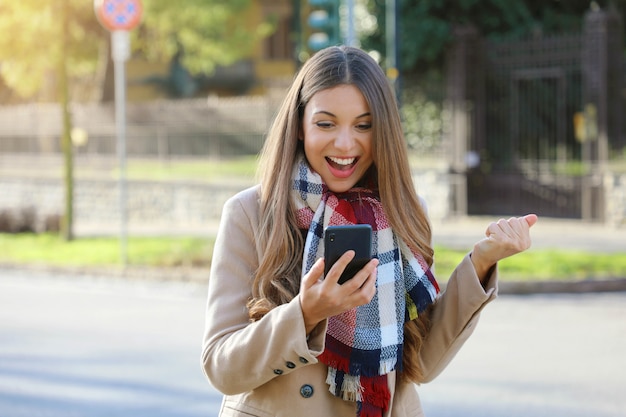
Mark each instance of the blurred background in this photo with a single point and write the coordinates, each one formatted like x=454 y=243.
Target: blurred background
x=509 y=106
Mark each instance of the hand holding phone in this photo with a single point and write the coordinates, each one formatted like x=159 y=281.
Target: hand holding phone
x=340 y=239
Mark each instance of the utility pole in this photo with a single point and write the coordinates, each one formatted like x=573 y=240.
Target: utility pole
x=350 y=38
x=391 y=25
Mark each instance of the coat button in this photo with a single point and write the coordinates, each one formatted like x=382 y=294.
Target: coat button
x=303 y=360
x=290 y=365
x=278 y=371
x=306 y=391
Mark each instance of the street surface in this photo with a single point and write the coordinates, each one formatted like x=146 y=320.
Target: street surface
x=96 y=347
x=539 y=356
x=107 y=347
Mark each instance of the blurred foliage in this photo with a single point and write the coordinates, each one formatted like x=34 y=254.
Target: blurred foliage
x=215 y=31
x=422 y=121
x=425 y=31
x=30 y=46
x=426 y=25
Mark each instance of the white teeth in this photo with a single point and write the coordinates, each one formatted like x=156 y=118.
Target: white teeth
x=342 y=161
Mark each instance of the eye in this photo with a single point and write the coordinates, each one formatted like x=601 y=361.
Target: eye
x=364 y=126
x=324 y=125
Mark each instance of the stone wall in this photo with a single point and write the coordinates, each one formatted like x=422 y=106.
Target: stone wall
x=152 y=207
x=158 y=207
x=615 y=186
x=195 y=208
x=195 y=127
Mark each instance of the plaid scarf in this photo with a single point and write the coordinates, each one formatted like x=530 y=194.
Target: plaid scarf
x=363 y=344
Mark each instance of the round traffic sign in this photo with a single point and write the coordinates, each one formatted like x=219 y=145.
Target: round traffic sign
x=118 y=14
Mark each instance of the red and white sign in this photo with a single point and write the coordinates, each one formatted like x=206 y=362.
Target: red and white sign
x=119 y=14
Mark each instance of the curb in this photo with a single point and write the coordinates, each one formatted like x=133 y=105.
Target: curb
x=178 y=274
x=201 y=276
x=562 y=287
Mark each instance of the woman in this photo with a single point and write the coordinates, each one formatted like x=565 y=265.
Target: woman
x=281 y=339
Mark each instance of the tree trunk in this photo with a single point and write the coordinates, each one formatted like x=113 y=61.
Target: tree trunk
x=67 y=226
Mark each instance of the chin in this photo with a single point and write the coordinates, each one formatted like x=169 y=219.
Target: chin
x=340 y=188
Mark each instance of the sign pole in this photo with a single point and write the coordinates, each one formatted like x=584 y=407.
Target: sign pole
x=119 y=17
x=120 y=42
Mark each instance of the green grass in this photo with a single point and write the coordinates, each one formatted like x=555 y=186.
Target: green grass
x=166 y=252
x=48 y=249
x=543 y=264
x=242 y=168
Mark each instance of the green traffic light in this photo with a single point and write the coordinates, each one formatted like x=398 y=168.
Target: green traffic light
x=323 y=3
x=320 y=19
x=318 y=41
x=324 y=20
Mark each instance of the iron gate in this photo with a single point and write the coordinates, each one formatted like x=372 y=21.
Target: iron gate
x=533 y=121
x=530 y=154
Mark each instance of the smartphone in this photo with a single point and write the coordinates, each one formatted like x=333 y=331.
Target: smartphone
x=340 y=239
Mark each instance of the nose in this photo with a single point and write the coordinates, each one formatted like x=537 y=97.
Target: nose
x=344 y=140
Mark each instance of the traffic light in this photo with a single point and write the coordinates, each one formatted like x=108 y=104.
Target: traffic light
x=324 y=23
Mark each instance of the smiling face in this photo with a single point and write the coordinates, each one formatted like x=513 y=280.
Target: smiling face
x=337 y=134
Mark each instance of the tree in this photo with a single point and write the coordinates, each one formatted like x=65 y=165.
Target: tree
x=216 y=32
x=63 y=37
x=427 y=24
x=42 y=37
x=31 y=43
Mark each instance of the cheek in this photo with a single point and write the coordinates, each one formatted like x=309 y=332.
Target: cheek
x=368 y=146
x=313 y=140
x=310 y=148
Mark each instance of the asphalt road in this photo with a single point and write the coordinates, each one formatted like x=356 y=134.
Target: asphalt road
x=105 y=347
x=95 y=347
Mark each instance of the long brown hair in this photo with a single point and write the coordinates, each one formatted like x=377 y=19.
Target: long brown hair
x=277 y=279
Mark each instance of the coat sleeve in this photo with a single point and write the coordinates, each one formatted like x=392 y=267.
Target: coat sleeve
x=455 y=316
x=239 y=355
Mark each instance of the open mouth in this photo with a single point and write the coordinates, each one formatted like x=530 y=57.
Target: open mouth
x=341 y=164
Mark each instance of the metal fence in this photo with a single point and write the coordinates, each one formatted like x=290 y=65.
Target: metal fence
x=534 y=120
x=213 y=127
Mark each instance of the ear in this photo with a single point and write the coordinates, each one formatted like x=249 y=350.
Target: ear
x=300 y=134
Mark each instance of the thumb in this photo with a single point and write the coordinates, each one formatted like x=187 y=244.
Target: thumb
x=531 y=219
x=314 y=274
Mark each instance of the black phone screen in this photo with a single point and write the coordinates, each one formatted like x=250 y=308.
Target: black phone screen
x=339 y=239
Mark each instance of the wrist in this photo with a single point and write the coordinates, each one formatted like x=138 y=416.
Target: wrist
x=309 y=327
x=481 y=266
x=309 y=323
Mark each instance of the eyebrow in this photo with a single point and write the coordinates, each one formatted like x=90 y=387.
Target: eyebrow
x=333 y=115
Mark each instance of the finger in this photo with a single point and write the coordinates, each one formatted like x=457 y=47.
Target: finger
x=507 y=226
x=504 y=229
x=501 y=231
x=518 y=234
x=362 y=278
x=362 y=287
x=531 y=219
x=519 y=228
x=521 y=225
x=491 y=229
x=315 y=273
x=369 y=286
x=338 y=267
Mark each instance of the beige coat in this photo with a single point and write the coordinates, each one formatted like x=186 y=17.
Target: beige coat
x=269 y=368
